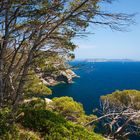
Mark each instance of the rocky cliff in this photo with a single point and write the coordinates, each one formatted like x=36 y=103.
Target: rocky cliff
x=65 y=76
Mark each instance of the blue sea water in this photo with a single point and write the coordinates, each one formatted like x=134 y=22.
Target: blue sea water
x=97 y=79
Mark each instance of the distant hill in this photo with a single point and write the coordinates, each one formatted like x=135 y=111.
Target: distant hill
x=107 y=60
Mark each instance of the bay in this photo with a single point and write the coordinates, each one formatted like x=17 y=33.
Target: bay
x=99 y=78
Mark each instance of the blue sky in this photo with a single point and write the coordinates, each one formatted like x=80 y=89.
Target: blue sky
x=106 y=43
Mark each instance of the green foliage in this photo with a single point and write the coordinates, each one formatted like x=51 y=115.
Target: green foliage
x=41 y=120
x=67 y=106
x=125 y=98
x=54 y=127
x=124 y=106
x=10 y=131
x=28 y=135
x=33 y=103
x=4 y=118
x=28 y=29
x=35 y=86
x=36 y=122
x=71 y=110
x=55 y=64
x=18 y=133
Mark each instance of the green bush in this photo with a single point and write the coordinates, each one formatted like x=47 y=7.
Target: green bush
x=4 y=120
x=34 y=86
x=67 y=106
x=16 y=133
x=71 y=110
x=125 y=98
x=54 y=127
x=34 y=122
x=33 y=103
x=41 y=120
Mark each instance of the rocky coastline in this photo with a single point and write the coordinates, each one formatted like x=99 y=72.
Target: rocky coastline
x=65 y=76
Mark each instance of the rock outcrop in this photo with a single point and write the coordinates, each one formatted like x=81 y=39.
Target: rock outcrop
x=65 y=76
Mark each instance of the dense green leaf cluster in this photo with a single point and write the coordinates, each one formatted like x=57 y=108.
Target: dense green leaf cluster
x=35 y=86
x=54 y=127
x=18 y=133
x=125 y=98
x=4 y=117
x=71 y=110
x=121 y=111
x=34 y=121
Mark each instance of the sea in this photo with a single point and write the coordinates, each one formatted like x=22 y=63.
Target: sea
x=97 y=79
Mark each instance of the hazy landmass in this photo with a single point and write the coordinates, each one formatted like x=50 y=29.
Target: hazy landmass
x=108 y=60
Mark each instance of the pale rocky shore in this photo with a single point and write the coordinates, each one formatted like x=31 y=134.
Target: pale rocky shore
x=65 y=76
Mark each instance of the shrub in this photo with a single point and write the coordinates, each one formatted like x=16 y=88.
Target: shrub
x=71 y=110
x=54 y=127
x=4 y=120
x=16 y=133
x=125 y=98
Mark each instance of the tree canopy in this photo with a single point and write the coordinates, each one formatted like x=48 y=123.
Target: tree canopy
x=121 y=110
x=41 y=28
x=36 y=36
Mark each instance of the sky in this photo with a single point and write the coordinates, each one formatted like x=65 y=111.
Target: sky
x=105 y=43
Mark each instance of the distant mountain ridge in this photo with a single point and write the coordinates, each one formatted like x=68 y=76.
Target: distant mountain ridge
x=107 y=60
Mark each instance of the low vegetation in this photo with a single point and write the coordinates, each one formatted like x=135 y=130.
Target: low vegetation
x=35 y=122
x=36 y=40
x=121 y=114
x=65 y=119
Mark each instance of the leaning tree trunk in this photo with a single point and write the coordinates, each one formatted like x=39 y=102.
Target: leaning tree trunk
x=1 y=73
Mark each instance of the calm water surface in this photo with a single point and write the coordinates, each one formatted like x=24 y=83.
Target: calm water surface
x=98 y=79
